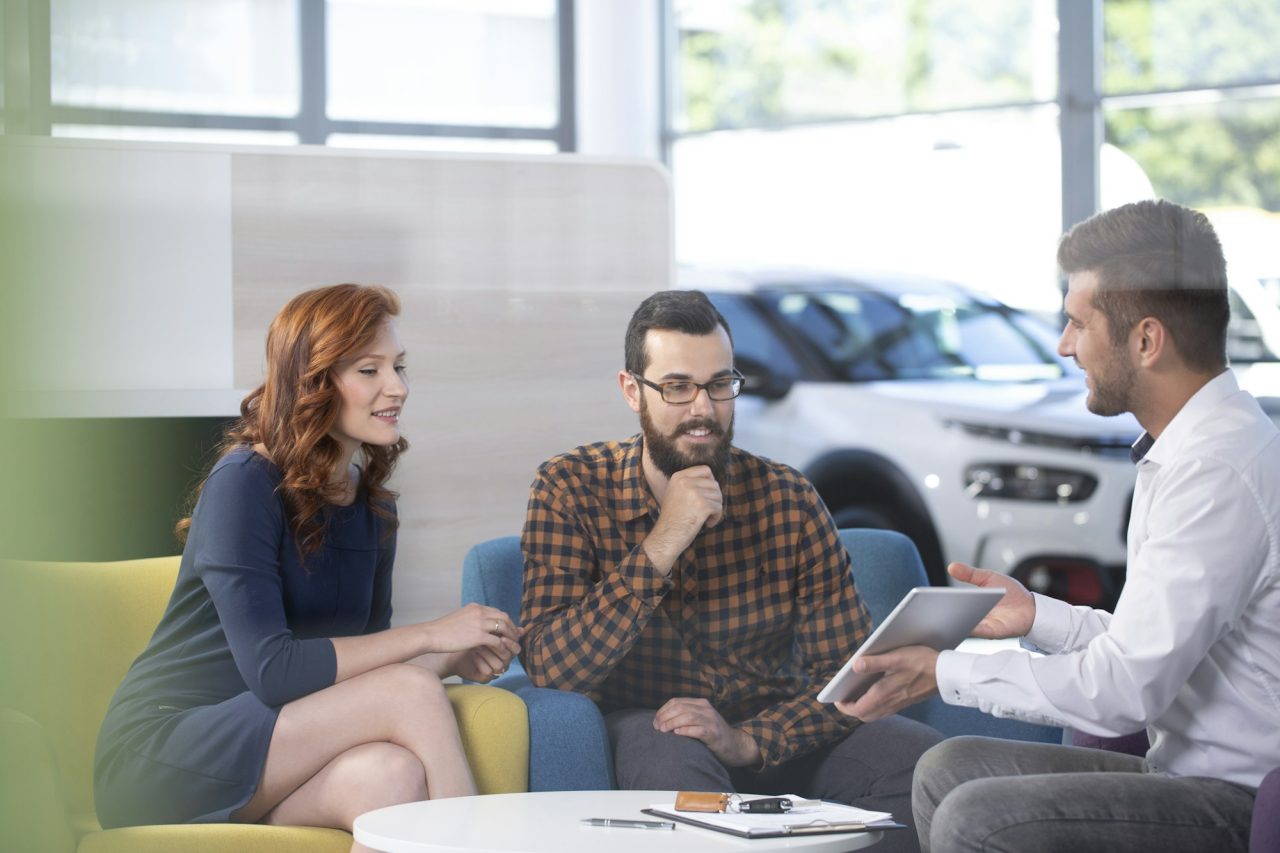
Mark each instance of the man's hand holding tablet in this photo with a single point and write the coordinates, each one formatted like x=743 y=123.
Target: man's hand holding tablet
x=906 y=673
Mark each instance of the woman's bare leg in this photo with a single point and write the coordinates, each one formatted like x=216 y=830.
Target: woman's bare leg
x=359 y=780
x=400 y=704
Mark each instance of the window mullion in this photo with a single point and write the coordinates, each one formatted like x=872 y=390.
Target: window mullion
x=313 y=124
x=1080 y=117
x=567 y=112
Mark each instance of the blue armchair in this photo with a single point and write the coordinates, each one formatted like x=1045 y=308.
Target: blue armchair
x=568 y=744
x=886 y=566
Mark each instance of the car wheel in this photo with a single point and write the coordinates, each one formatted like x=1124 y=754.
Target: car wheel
x=861 y=516
x=914 y=528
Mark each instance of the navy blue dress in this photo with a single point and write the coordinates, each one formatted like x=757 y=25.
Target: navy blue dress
x=246 y=631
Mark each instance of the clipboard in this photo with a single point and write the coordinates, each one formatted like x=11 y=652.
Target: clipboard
x=831 y=819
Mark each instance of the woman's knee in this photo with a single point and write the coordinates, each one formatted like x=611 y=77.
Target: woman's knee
x=381 y=774
x=412 y=701
x=408 y=685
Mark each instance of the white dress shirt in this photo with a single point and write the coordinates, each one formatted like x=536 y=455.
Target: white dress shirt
x=1192 y=652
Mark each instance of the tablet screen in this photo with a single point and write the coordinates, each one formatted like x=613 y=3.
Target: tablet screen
x=935 y=616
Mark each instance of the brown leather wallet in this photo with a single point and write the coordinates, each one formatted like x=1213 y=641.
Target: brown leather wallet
x=701 y=801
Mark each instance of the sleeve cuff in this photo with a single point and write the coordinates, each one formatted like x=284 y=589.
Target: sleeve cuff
x=1051 y=626
x=954 y=674
x=768 y=738
x=642 y=578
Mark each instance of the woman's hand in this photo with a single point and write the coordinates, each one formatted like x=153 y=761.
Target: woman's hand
x=475 y=642
x=479 y=664
x=474 y=626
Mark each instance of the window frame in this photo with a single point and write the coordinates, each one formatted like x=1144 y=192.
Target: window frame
x=29 y=108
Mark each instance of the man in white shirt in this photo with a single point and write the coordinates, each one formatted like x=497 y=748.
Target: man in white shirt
x=1192 y=652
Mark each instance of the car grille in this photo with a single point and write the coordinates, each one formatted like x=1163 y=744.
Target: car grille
x=1111 y=447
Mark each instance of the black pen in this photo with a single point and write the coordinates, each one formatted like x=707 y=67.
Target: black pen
x=627 y=824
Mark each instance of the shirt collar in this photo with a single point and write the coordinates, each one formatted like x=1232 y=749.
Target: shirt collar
x=635 y=498
x=1138 y=451
x=1195 y=411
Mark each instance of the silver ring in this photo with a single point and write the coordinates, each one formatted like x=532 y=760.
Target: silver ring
x=497 y=628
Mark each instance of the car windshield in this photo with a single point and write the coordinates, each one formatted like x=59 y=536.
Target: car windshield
x=1247 y=337
x=868 y=335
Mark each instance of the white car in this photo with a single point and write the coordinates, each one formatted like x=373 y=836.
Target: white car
x=1253 y=342
x=919 y=406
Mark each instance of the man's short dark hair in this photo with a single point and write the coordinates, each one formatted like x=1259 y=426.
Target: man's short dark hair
x=1156 y=259
x=686 y=311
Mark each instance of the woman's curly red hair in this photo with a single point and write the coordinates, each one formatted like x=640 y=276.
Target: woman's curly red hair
x=296 y=406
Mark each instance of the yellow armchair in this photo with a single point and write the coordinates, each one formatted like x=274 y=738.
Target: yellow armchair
x=68 y=632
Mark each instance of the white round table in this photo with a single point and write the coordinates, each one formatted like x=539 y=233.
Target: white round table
x=548 y=822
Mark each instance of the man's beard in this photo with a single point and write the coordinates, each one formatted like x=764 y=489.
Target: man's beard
x=1113 y=386
x=669 y=458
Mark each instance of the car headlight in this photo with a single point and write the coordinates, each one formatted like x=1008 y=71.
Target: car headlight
x=1028 y=483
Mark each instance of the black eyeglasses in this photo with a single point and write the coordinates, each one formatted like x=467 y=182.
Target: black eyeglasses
x=679 y=391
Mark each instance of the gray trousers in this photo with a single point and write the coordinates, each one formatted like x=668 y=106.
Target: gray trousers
x=871 y=768
x=989 y=794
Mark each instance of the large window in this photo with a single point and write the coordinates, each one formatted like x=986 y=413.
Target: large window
x=210 y=57
x=432 y=74
x=870 y=135
x=925 y=136
x=463 y=63
x=747 y=63
x=1169 y=45
x=1192 y=94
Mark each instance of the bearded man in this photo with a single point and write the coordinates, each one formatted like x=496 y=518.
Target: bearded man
x=701 y=595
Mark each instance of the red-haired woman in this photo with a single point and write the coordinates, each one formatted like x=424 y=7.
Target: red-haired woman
x=274 y=689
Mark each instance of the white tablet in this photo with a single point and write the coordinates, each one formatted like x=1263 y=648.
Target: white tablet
x=935 y=616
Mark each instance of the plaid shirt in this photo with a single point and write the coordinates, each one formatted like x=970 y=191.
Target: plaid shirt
x=756 y=616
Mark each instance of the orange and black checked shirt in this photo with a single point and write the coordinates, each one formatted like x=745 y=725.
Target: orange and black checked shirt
x=756 y=617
